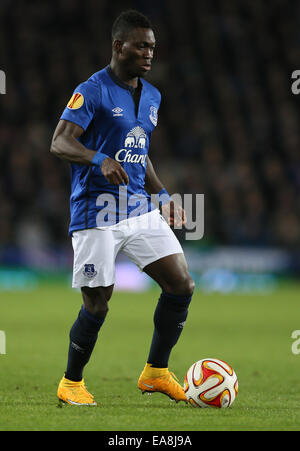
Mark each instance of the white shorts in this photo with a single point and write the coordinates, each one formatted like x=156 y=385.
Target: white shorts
x=144 y=239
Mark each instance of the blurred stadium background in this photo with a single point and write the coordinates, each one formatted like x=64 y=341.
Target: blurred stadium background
x=228 y=128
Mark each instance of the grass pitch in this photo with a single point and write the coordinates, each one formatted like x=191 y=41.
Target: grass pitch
x=251 y=332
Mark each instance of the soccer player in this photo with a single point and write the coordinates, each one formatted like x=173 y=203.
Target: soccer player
x=104 y=132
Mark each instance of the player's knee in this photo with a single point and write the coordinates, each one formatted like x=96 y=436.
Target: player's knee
x=191 y=286
x=187 y=285
x=184 y=286
x=99 y=309
x=96 y=300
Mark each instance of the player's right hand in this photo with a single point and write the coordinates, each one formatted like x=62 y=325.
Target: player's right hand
x=114 y=172
x=174 y=214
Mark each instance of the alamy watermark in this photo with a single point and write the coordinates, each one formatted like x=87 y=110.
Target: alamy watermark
x=2 y=342
x=2 y=82
x=186 y=211
x=296 y=344
x=295 y=86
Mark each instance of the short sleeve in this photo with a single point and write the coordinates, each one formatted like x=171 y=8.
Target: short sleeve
x=83 y=104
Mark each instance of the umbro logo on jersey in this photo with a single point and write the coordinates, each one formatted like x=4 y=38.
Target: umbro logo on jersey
x=117 y=111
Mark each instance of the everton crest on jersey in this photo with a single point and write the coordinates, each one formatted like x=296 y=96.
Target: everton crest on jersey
x=113 y=125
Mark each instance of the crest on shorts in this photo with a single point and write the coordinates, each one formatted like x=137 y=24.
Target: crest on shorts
x=89 y=270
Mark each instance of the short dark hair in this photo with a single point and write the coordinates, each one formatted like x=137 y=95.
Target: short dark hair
x=127 y=21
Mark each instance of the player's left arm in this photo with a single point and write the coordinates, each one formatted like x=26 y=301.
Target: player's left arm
x=171 y=211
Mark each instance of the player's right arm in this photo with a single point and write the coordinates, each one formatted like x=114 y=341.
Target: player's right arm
x=66 y=146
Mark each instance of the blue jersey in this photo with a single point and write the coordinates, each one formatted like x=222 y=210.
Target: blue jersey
x=113 y=126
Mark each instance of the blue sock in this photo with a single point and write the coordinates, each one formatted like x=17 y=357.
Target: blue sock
x=169 y=319
x=83 y=337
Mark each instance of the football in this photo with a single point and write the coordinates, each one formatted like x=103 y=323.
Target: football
x=211 y=383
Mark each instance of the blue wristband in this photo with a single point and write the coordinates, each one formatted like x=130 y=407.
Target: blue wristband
x=163 y=197
x=98 y=159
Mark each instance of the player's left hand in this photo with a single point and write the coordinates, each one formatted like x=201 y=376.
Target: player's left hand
x=174 y=214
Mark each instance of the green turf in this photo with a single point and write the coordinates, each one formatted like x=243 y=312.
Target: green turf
x=251 y=332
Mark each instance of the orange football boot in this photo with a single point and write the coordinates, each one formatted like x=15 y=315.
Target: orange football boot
x=74 y=393
x=161 y=380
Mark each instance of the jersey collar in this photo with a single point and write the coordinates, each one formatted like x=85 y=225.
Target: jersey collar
x=119 y=82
